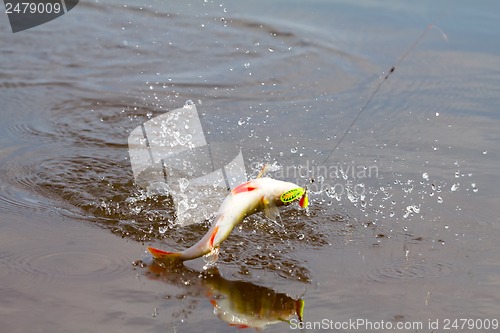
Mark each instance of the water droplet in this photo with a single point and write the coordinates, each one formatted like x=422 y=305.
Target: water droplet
x=425 y=176
x=485 y=152
x=271 y=50
x=246 y=64
x=188 y=103
x=411 y=209
x=183 y=183
x=151 y=87
x=241 y=121
x=391 y=214
x=301 y=236
x=437 y=114
x=439 y=200
x=352 y=198
x=294 y=150
x=457 y=174
x=454 y=187
x=211 y=258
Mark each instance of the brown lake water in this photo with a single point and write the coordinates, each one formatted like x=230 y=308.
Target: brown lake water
x=404 y=220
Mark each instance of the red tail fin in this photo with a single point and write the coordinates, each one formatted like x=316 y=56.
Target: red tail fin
x=164 y=255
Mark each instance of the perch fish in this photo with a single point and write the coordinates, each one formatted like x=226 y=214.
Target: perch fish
x=260 y=194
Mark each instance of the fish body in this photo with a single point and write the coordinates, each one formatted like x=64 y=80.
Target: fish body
x=260 y=194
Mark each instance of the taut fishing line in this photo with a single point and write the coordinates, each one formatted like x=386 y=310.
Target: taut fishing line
x=379 y=85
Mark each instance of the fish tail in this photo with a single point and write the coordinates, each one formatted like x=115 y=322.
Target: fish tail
x=165 y=255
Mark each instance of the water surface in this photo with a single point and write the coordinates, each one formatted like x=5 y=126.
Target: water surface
x=414 y=240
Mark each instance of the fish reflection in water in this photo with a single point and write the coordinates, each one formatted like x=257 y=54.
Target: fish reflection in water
x=239 y=303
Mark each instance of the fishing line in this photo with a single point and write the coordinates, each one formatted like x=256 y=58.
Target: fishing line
x=380 y=84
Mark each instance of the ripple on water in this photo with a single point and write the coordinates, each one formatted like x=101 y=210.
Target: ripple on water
x=105 y=124
x=13 y=200
x=3 y=264
x=18 y=191
x=59 y=264
x=405 y=269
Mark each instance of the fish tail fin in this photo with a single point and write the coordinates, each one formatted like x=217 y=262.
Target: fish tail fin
x=165 y=255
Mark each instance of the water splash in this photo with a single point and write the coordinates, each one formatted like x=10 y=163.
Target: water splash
x=183 y=184
x=210 y=258
x=188 y=104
